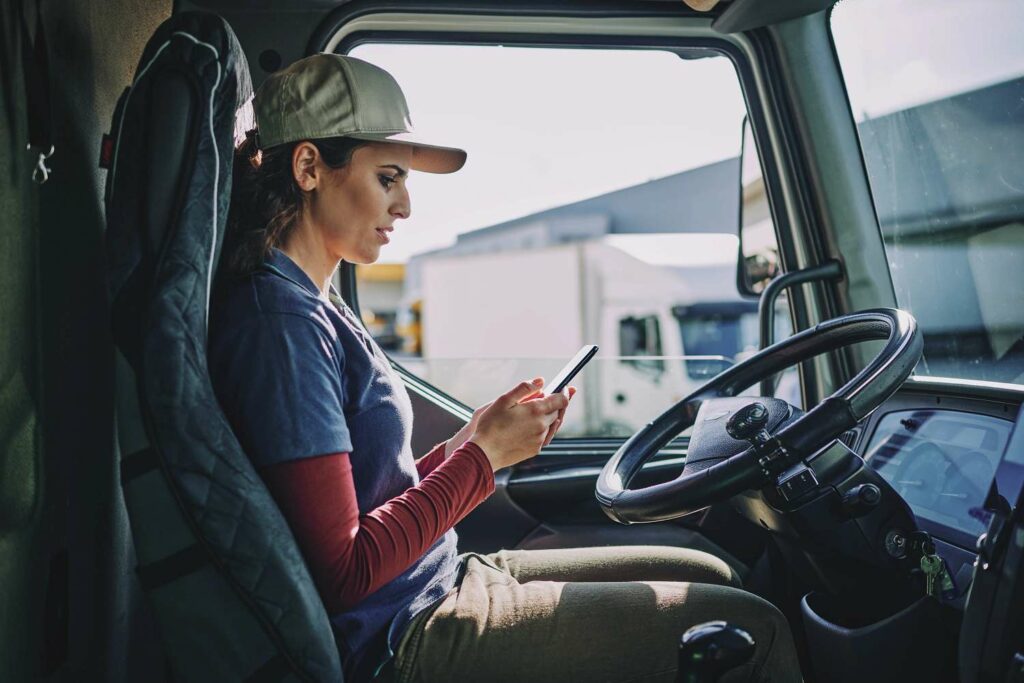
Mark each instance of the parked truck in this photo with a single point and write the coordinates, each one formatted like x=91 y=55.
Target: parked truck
x=487 y=320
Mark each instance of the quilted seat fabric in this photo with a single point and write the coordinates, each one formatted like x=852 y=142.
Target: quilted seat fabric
x=231 y=592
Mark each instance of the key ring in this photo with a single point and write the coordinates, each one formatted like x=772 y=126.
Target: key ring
x=41 y=173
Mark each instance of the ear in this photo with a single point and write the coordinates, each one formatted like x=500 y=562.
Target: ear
x=304 y=166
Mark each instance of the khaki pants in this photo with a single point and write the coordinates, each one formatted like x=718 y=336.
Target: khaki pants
x=586 y=614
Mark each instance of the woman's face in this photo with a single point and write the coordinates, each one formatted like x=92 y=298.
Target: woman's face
x=354 y=208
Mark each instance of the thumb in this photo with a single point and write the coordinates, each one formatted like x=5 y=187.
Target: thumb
x=520 y=391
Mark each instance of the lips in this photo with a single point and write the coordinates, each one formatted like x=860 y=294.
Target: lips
x=382 y=233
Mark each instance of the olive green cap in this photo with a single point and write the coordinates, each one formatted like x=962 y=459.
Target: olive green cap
x=329 y=96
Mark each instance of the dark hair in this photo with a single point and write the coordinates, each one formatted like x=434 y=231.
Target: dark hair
x=266 y=202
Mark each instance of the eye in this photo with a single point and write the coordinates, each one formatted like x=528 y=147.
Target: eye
x=387 y=180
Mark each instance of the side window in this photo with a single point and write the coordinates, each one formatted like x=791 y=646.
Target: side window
x=380 y=294
x=599 y=205
x=640 y=343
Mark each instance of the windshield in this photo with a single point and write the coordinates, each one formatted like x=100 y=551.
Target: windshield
x=937 y=91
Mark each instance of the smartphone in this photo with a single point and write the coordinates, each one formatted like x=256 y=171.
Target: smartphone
x=565 y=375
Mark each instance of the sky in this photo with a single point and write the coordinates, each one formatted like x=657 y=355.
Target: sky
x=544 y=127
x=925 y=50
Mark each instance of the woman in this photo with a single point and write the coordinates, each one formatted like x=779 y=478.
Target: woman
x=327 y=424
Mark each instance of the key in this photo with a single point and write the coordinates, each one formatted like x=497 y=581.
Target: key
x=931 y=565
x=946 y=585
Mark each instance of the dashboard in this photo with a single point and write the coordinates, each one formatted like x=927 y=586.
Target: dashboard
x=939 y=444
x=942 y=463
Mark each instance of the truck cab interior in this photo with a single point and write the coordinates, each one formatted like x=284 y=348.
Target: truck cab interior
x=854 y=450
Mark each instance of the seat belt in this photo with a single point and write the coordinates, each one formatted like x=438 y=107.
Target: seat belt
x=35 y=63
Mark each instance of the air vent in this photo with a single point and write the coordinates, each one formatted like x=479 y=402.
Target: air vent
x=849 y=437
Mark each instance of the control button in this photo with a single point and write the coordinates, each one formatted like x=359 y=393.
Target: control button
x=861 y=499
x=796 y=484
x=747 y=422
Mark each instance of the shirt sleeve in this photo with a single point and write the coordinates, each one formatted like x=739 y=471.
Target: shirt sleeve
x=428 y=462
x=281 y=388
x=350 y=556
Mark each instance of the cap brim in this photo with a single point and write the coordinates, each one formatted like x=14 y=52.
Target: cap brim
x=426 y=158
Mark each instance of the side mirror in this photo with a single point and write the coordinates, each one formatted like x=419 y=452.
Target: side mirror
x=758 y=257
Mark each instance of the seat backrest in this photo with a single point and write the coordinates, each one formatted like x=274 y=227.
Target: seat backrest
x=231 y=593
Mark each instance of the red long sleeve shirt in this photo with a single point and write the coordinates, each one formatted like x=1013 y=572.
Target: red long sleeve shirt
x=352 y=555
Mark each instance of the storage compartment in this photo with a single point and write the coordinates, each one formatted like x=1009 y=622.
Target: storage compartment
x=858 y=640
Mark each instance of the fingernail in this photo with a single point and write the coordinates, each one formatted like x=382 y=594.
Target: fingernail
x=538 y=380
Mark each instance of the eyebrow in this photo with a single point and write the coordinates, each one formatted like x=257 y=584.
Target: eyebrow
x=401 y=172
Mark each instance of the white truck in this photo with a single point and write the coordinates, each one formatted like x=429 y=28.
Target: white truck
x=491 y=319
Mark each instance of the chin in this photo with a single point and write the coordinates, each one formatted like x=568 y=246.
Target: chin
x=366 y=258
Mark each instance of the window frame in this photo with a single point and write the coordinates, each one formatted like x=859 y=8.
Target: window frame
x=755 y=88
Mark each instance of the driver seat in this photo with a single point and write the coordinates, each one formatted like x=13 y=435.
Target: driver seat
x=231 y=594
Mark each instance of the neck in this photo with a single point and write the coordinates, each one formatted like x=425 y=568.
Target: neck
x=311 y=255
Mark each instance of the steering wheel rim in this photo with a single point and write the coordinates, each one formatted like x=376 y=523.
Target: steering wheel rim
x=700 y=485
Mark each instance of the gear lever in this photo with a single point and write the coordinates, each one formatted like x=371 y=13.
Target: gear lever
x=708 y=650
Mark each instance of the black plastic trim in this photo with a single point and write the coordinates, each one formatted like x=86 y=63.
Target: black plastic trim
x=567 y=8
x=841 y=363
x=1010 y=393
x=744 y=15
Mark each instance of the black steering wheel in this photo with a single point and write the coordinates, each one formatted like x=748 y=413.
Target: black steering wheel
x=718 y=466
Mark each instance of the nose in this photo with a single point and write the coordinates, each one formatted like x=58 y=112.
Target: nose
x=402 y=208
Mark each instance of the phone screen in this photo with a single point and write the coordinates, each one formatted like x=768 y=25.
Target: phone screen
x=565 y=375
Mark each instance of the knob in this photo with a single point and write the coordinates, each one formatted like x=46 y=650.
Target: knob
x=748 y=423
x=861 y=499
x=708 y=650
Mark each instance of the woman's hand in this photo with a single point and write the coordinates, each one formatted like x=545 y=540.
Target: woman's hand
x=462 y=436
x=519 y=423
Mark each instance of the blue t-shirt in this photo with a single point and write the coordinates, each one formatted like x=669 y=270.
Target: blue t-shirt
x=297 y=376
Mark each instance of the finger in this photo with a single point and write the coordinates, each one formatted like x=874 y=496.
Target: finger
x=555 y=402
x=561 y=414
x=560 y=418
x=520 y=392
x=552 y=430
x=569 y=392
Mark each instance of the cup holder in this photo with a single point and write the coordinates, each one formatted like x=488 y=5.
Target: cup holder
x=852 y=641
